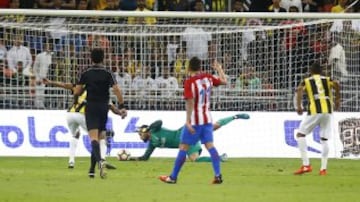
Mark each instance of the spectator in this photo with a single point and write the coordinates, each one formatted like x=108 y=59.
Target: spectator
x=171 y=84
x=181 y=65
x=128 y=5
x=112 y=5
x=288 y=3
x=195 y=39
x=3 y=50
x=28 y=4
x=259 y=5
x=57 y=4
x=5 y=3
x=327 y=5
x=41 y=69
x=312 y=5
x=340 y=7
x=18 y=53
x=337 y=60
x=100 y=41
x=218 y=5
x=275 y=7
x=83 y=5
x=124 y=80
x=14 y=4
x=170 y=5
x=239 y=6
x=130 y=63
x=141 y=6
x=150 y=4
x=199 y=6
x=248 y=80
x=98 y=4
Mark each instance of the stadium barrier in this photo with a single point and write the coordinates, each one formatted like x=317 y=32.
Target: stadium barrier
x=265 y=134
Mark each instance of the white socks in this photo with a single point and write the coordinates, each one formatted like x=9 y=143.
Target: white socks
x=103 y=148
x=303 y=150
x=73 y=146
x=324 y=154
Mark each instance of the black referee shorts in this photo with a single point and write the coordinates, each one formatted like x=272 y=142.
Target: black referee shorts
x=96 y=115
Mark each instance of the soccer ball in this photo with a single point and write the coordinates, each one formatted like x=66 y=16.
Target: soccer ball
x=123 y=155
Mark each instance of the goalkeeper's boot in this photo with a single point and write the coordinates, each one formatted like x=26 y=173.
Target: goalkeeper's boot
x=303 y=169
x=241 y=116
x=71 y=165
x=102 y=169
x=167 y=179
x=109 y=165
x=223 y=157
x=322 y=172
x=217 y=180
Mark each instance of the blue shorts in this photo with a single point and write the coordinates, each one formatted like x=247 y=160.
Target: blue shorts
x=204 y=133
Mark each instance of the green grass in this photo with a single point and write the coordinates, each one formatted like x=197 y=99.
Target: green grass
x=48 y=179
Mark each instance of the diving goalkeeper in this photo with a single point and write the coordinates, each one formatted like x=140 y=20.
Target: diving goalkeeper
x=160 y=137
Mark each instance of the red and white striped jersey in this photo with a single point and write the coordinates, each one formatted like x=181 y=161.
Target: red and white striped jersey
x=198 y=87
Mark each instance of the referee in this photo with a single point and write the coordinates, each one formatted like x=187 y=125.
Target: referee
x=96 y=80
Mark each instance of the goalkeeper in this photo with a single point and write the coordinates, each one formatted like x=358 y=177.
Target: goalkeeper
x=158 y=136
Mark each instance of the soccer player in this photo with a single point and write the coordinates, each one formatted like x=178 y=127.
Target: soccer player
x=76 y=120
x=97 y=80
x=160 y=137
x=198 y=125
x=319 y=92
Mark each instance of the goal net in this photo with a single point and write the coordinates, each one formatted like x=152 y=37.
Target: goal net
x=263 y=55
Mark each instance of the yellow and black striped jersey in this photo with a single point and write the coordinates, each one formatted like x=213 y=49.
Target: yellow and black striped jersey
x=318 y=89
x=79 y=103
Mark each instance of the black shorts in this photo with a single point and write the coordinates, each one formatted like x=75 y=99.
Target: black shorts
x=96 y=115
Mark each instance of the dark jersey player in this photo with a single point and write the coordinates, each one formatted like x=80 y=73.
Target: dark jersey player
x=97 y=81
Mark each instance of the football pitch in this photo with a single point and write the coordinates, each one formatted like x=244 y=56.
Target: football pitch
x=49 y=179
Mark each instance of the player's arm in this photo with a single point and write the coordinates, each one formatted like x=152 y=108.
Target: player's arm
x=298 y=97
x=117 y=111
x=189 y=109
x=68 y=86
x=217 y=67
x=149 y=150
x=336 y=87
x=78 y=89
x=121 y=107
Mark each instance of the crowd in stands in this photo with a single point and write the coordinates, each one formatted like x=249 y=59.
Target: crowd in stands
x=186 y=5
x=155 y=69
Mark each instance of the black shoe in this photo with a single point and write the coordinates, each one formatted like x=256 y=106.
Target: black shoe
x=71 y=165
x=217 y=180
x=91 y=173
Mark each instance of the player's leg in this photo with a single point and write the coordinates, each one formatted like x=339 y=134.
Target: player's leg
x=94 y=118
x=222 y=122
x=206 y=138
x=103 y=109
x=75 y=134
x=186 y=139
x=103 y=148
x=325 y=131
x=306 y=126
x=194 y=153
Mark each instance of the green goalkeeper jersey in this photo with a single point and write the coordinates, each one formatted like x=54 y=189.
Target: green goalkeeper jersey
x=162 y=138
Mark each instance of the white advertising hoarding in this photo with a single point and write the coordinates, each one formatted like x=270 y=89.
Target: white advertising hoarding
x=265 y=134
